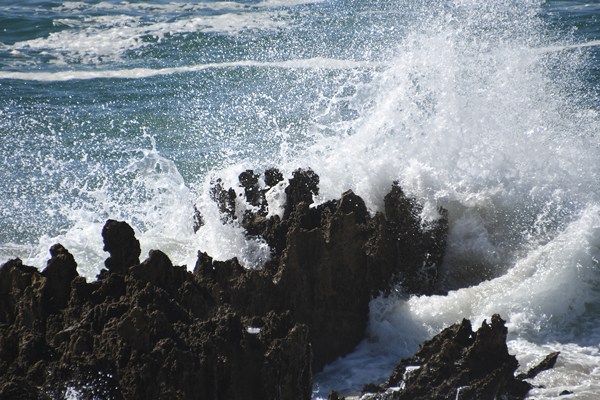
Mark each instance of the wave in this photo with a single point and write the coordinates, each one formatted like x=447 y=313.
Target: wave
x=110 y=30
x=480 y=111
x=543 y=296
x=311 y=63
x=137 y=73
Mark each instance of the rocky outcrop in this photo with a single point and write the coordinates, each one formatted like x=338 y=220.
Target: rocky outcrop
x=330 y=260
x=154 y=330
x=460 y=364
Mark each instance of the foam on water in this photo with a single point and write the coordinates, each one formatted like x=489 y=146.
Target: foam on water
x=138 y=73
x=105 y=32
x=482 y=118
x=107 y=38
x=174 y=7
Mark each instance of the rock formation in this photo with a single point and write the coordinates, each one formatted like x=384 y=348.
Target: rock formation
x=459 y=364
x=330 y=260
x=146 y=330
x=152 y=331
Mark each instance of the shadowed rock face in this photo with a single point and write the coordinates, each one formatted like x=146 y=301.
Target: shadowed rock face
x=120 y=242
x=154 y=330
x=329 y=261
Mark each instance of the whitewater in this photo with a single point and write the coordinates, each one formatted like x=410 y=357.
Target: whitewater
x=489 y=109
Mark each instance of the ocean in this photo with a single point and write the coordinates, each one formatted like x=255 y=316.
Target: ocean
x=129 y=110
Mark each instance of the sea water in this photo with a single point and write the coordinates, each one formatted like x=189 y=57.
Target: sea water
x=128 y=110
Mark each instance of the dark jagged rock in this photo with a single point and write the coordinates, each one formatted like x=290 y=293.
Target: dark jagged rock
x=330 y=260
x=251 y=292
x=351 y=203
x=155 y=330
x=158 y=270
x=120 y=242
x=249 y=181
x=459 y=364
x=18 y=389
x=272 y=177
x=20 y=291
x=419 y=250
x=334 y=396
x=59 y=272
x=546 y=364
x=198 y=221
x=225 y=200
x=151 y=330
x=303 y=185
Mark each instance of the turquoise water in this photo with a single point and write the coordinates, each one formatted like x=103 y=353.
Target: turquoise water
x=125 y=109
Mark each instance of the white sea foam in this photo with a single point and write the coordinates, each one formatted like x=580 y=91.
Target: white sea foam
x=106 y=38
x=110 y=30
x=173 y=7
x=286 y=3
x=473 y=116
x=137 y=73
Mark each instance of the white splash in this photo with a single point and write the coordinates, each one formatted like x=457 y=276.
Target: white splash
x=479 y=117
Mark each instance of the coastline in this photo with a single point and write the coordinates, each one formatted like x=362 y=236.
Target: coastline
x=222 y=330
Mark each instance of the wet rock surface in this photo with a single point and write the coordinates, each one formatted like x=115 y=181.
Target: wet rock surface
x=328 y=261
x=459 y=363
x=154 y=330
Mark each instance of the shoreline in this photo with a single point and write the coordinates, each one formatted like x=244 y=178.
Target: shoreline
x=222 y=330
